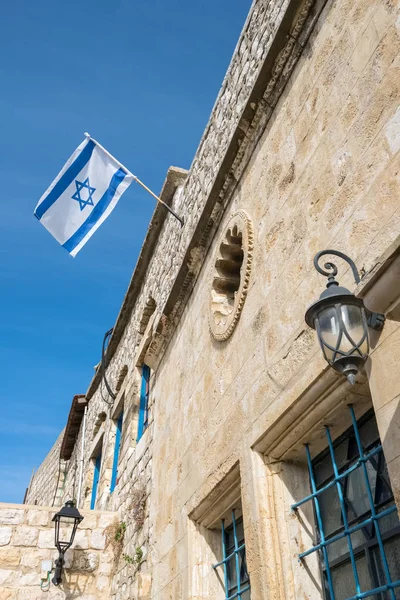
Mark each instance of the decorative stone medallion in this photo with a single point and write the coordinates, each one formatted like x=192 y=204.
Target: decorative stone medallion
x=231 y=275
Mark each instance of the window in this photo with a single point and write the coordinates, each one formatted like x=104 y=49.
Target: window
x=97 y=465
x=114 y=474
x=236 y=577
x=144 y=401
x=358 y=529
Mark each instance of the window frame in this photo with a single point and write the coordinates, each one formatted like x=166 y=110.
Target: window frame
x=228 y=552
x=339 y=479
x=96 y=478
x=144 y=401
x=117 y=446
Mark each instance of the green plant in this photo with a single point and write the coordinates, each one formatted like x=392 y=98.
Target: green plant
x=120 y=532
x=128 y=559
x=137 y=559
x=115 y=534
x=138 y=556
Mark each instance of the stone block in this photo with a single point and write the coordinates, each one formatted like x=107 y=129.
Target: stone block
x=392 y=132
x=106 y=519
x=35 y=593
x=97 y=539
x=105 y=567
x=32 y=558
x=10 y=556
x=55 y=594
x=29 y=579
x=102 y=583
x=38 y=517
x=81 y=540
x=5 y=535
x=11 y=516
x=25 y=536
x=365 y=47
x=46 y=539
x=6 y=575
x=89 y=522
x=7 y=594
x=85 y=561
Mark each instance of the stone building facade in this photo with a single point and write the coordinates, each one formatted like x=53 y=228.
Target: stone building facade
x=218 y=387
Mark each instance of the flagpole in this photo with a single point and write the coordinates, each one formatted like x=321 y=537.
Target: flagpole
x=180 y=219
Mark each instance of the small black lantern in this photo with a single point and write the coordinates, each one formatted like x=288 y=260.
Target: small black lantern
x=66 y=523
x=341 y=320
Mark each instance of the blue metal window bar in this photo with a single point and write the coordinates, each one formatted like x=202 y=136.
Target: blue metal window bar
x=96 y=476
x=236 y=577
x=144 y=402
x=382 y=572
x=114 y=474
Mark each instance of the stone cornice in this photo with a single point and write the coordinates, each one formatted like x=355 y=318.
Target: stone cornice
x=292 y=27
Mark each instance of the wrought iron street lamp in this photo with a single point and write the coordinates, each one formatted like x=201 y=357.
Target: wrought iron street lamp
x=341 y=320
x=66 y=522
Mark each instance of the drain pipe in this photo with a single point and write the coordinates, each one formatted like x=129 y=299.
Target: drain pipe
x=78 y=500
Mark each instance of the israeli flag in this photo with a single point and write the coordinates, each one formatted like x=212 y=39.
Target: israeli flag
x=82 y=195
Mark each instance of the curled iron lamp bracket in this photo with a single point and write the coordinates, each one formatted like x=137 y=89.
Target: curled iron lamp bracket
x=332 y=270
x=375 y=320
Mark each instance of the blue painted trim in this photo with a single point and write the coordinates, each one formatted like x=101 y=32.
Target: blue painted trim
x=96 y=476
x=338 y=478
x=375 y=517
x=116 y=453
x=97 y=212
x=66 y=179
x=343 y=510
x=339 y=536
x=319 y=521
x=379 y=590
x=144 y=400
x=225 y=559
x=372 y=506
x=236 y=554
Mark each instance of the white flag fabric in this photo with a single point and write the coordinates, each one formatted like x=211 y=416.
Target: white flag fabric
x=82 y=195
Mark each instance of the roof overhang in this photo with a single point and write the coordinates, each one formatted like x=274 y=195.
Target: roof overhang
x=75 y=417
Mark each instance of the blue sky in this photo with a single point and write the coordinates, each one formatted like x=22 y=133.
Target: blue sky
x=142 y=78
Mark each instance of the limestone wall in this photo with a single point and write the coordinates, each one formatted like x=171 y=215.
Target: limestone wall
x=325 y=174
x=27 y=539
x=314 y=163
x=50 y=474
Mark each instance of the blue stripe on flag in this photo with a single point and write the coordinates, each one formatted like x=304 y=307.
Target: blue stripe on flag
x=97 y=212
x=66 y=179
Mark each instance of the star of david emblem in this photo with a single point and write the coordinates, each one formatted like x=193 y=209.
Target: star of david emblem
x=89 y=195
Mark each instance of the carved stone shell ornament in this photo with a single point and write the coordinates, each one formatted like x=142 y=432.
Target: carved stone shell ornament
x=231 y=275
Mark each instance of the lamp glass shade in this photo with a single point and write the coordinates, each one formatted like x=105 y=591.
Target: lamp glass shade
x=343 y=331
x=68 y=529
x=66 y=523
